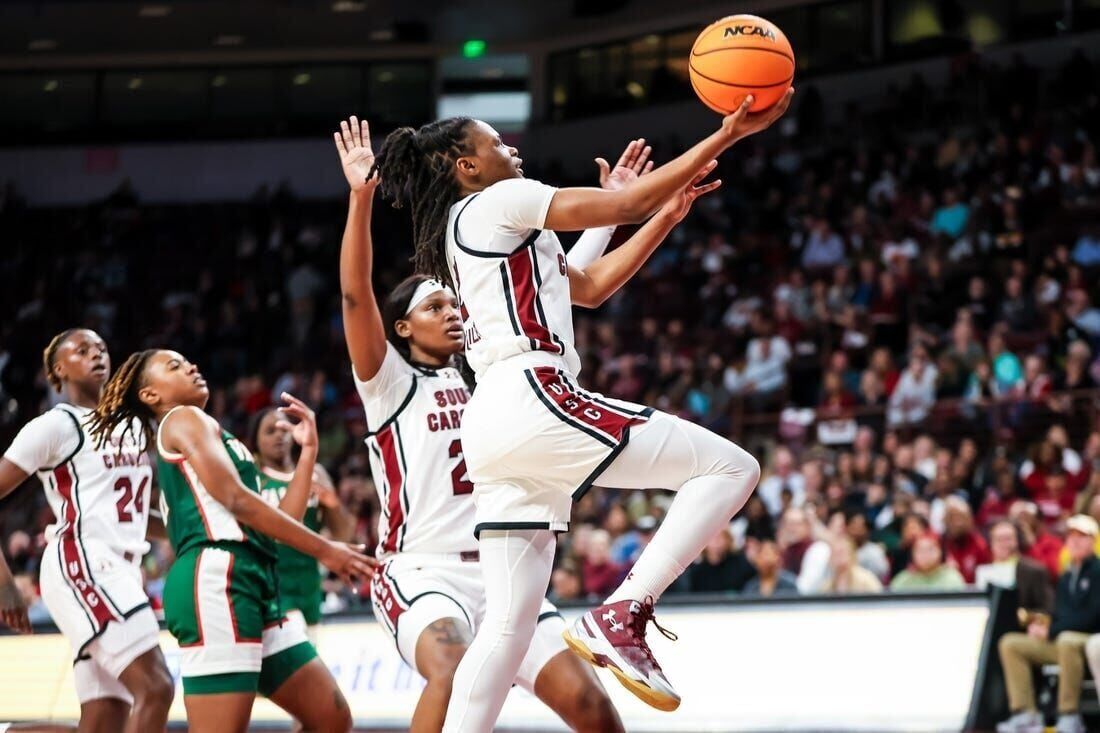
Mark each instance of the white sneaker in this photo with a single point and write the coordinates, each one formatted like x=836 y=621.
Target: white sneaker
x=1072 y=723
x=1028 y=721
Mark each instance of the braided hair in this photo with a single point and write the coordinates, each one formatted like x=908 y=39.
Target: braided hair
x=119 y=404
x=417 y=170
x=49 y=356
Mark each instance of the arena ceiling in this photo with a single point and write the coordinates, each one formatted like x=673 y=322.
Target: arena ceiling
x=46 y=31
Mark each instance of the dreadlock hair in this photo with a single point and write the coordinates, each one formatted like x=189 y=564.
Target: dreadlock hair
x=417 y=170
x=49 y=356
x=119 y=404
x=396 y=307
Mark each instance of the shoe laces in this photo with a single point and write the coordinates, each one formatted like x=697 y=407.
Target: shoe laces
x=638 y=625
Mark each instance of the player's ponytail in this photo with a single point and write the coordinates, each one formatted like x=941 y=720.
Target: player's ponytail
x=49 y=356
x=417 y=170
x=119 y=404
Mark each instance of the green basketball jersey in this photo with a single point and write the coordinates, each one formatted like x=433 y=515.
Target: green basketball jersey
x=299 y=574
x=194 y=517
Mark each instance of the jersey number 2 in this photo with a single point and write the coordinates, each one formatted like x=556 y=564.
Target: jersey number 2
x=123 y=504
x=459 y=477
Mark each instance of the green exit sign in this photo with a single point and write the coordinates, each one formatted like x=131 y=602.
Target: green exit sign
x=474 y=48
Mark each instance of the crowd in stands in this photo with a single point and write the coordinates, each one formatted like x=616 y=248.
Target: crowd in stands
x=898 y=316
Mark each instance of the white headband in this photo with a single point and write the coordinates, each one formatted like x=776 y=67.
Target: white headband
x=423 y=290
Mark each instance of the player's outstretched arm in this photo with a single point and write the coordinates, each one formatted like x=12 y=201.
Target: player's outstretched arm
x=304 y=433
x=363 y=329
x=197 y=437
x=591 y=286
x=11 y=476
x=572 y=209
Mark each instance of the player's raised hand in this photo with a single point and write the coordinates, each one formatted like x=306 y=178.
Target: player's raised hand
x=677 y=207
x=13 y=611
x=349 y=563
x=632 y=163
x=356 y=155
x=304 y=431
x=743 y=123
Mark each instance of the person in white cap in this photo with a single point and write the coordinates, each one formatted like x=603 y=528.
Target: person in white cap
x=429 y=593
x=1061 y=640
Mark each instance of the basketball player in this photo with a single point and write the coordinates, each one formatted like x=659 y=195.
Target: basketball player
x=90 y=574
x=221 y=594
x=271 y=435
x=533 y=439
x=428 y=593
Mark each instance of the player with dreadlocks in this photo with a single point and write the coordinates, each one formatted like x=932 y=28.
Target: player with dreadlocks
x=90 y=574
x=428 y=593
x=533 y=439
x=221 y=598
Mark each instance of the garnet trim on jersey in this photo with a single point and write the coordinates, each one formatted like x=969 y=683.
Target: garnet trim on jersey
x=384 y=586
x=519 y=274
x=392 y=453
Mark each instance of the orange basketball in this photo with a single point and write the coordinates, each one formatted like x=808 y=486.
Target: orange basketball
x=741 y=55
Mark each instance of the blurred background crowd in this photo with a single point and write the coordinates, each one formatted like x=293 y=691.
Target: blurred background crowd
x=894 y=306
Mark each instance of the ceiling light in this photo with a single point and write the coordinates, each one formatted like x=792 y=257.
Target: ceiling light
x=42 y=44
x=493 y=72
x=385 y=77
x=134 y=83
x=382 y=34
x=154 y=11
x=228 y=40
x=635 y=89
x=218 y=81
x=301 y=79
x=349 y=6
x=50 y=86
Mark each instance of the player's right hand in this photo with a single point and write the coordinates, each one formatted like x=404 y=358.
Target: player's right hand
x=356 y=156
x=13 y=611
x=743 y=123
x=349 y=563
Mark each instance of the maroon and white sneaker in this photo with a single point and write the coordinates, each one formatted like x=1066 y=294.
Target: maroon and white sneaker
x=613 y=636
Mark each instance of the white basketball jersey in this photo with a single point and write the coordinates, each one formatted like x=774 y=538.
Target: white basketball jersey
x=96 y=493
x=510 y=274
x=414 y=415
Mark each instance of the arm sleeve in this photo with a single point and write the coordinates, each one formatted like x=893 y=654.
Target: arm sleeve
x=516 y=205
x=44 y=442
x=590 y=246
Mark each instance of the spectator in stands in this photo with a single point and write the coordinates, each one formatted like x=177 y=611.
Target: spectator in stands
x=566 y=585
x=771 y=579
x=915 y=394
x=1042 y=545
x=721 y=568
x=951 y=217
x=765 y=373
x=782 y=478
x=927 y=571
x=794 y=538
x=1060 y=640
x=869 y=555
x=32 y=599
x=824 y=249
x=999 y=497
x=1034 y=592
x=964 y=546
x=599 y=572
x=845 y=574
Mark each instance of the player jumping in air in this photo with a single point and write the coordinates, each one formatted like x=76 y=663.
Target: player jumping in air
x=221 y=598
x=533 y=439
x=429 y=592
x=90 y=573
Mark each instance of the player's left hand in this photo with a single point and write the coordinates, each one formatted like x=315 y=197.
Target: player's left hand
x=13 y=611
x=677 y=207
x=304 y=431
x=632 y=163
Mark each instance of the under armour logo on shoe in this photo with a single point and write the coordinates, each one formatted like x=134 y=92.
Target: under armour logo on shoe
x=615 y=625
